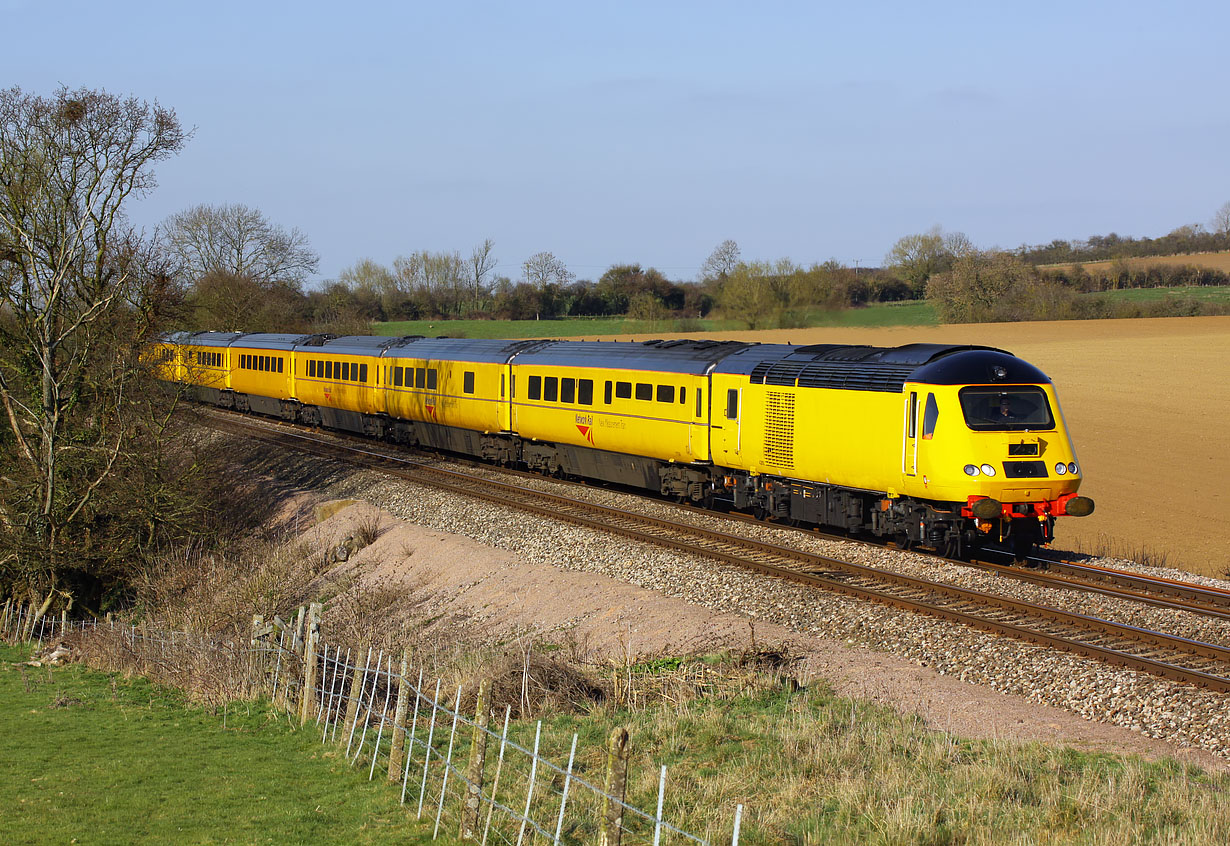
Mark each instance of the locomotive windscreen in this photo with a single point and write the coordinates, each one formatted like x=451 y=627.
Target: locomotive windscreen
x=1006 y=409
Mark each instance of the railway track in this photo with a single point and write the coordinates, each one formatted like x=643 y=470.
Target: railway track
x=1165 y=655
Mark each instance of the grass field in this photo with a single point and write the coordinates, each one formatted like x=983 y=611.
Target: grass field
x=1216 y=261
x=878 y=314
x=1204 y=294
x=94 y=759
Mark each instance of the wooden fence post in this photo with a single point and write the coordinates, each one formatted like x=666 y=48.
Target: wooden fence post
x=615 y=788
x=4 y=621
x=478 y=759
x=310 y=664
x=357 y=681
x=399 y=718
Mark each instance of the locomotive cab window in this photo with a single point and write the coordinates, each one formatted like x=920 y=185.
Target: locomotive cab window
x=467 y=381
x=699 y=394
x=1006 y=409
x=732 y=404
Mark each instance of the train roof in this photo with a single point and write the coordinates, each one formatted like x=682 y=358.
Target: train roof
x=472 y=350
x=207 y=339
x=866 y=368
x=270 y=341
x=673 y=356
x=373 y=345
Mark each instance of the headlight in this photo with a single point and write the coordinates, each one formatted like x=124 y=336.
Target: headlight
x=988 y=470
x=1072 y=468
x=971 y=470
x=1061 y=468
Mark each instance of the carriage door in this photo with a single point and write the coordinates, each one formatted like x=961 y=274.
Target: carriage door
x=909 y=452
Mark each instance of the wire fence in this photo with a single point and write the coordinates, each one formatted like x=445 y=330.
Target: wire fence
x=472 y=770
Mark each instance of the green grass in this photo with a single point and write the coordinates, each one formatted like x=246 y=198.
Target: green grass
x=1204 y=294
x=813 y=768
x=914 y=313
x=91 y=758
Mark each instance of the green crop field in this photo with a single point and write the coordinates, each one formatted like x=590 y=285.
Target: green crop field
x=914 y=313
x=91 y=758
x=1204 y=294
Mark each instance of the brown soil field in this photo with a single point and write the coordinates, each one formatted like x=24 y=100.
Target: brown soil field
x=1216 y=261
x=1147 y=403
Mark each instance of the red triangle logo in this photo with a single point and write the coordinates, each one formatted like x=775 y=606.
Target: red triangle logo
x=587 y=432
x=431 y=412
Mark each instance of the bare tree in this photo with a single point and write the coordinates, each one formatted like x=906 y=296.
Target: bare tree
x=482 y=263
x=79 y=294
x=721 y=262
x=241 y=242
x=1221 y=221
x=542 y=269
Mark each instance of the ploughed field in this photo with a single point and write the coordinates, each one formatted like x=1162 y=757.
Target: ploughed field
x=1148 y=407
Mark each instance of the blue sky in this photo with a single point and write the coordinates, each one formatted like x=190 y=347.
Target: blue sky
x=650 y=132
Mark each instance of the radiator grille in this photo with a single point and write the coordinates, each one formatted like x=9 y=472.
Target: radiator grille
x=779 y=430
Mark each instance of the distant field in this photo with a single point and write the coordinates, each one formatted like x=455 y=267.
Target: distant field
x=878 y=314
x=1216 y=261
x=1205 y=294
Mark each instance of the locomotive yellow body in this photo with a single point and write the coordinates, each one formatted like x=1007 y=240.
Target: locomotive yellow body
x=951 y=446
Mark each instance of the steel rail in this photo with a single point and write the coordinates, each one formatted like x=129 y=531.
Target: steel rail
x=1172 y=657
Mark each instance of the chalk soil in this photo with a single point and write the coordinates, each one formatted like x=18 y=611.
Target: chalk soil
x=501 y=595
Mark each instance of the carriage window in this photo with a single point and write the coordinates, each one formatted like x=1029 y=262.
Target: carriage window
x=732 y=404
x=467 y=381
x=348 y=373
x=567 y=390
x=398 y=373
x=606 y=395
x=666 y=393
x=420 y=377
x=281 y=363
x=501 y=385
x=585 y=391
x=683 y=396
x=328 y=370
x=432 y=376
x=550 y=389
x=623 y=390
x=535 y=387
x=643 y=391
x=930 y=415
x=363 y=373
x=311 y=369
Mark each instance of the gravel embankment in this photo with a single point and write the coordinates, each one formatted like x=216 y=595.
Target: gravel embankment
x=1155 y=707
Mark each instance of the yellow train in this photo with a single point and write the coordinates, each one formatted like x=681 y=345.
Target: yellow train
x=949 y=446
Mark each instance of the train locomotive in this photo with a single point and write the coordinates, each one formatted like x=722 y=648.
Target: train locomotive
x=952 y=447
